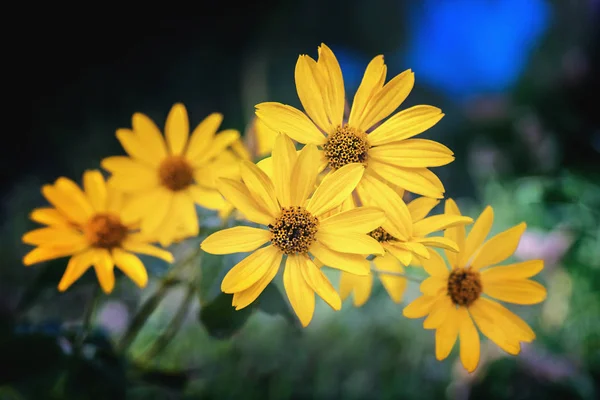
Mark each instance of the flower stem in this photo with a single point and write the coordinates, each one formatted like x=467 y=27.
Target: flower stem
x=87 y=319
x=398 y=274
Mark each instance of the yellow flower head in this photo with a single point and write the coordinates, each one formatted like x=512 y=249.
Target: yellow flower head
x=89 y=226
x=453 y=298
x=404 y=236
x=164 y=179
x=260 y=139
x=295 y=228
x=387 y=150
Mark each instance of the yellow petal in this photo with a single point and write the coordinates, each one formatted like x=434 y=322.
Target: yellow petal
x=72 y=190
x=387 y=100
x=352 y=263
x=202 y=136
x=437 y=223
x=147 y=249
x=65 y=204
x=394 y=285
x=300 y=294
x=371 y=83
x=510 y=323
x=40 y=254
x=479 y=231
x=405 y=124
x=207 y=198
x=319 y=283
x=304 y=174
x=310 y=85
x=235 y=240
x=359 y=220
x=469 y=341
x=246 y=297
x=184 y=212
x=350 y=242
x=522 y=291
x=261 y=188
x=374 y=192
x=439 y=312
x=436 y=266
x=177 y=129
x=433 y=286
x=284 y=157
x=416 y=248
x=238 y=195
x=402 y=255
x=52 y=236
x=413 y=153
x=420 y=307
x=76 y=267
x=437 y=241
x=160 y=202
x=334 y=84
x=130 y=175
x=360 y=286
x=335 y=188
x=456 y=233
x=420 y=207
x=131 y=266
x=515 y=271
x=49 y=216
x=149 y=136
x=219 y=144
x=493 y=330
x=137 y=149
x=95 y=190
x=286 y=119
x=104 y=267
x=446 y=335
x=249 y=271
x=142 y=205
x=500 y=247
x=414 y=180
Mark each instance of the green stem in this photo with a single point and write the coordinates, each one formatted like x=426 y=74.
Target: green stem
x=87 y=319
x=398 y=274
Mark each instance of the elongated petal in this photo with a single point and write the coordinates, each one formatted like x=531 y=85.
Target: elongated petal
x=261 y=187
x=493 y=330
x=456 y=233
x=53 y=237
x=131 y=266
x=284 y=157
x=76 y=267
x=522 y=291
x=414 y=180
x=252 y=268
x=479 y=231
x=40 y=254
x=236 y=240
x=185 y=211
x=300 y=294
x=402 y=255
x=358 y=285
x=203 y=135
x=371 y=83
x=469 y=341
x=436 y=266
x=437 y=241
x=95 y=190
x=217 y=147
x=500 y=247
x=420 y=307
x=207 y=198
x=352 y=263
x=521 y=270
x=319 y=283
x=433 y=286
x=405 y=124
x=286 y=119
x=359 y=220
x=511 y=323
x=65 y=204
x=446 y=335
x=177 y=129
x=238 y=195
x=138 y=150
x=312 y=91
x=105 y=270
x=437 y=223
x=130 y=175
x=414 y=247
x=304 y=175
x=246 y=297
x=413 y=153
x=149 y=136
x=335 y=188
x=439 y=312
x=160 y=203
x=420 y=207
x=394 y=285
x=332 y=73
x=350 y=242
x=147 y=249
x=49 y=216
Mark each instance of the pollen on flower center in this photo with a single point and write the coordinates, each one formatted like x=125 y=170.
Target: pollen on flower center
x=176 y=173
x=105 y=231
x=381 y=235
x=464 y=286
x=294 y=231
x=346 y=145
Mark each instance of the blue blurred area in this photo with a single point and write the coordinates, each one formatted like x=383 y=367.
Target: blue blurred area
x=467 y=47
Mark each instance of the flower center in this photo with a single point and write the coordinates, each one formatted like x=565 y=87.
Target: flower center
x=105 y=231
x=346 y=145
x=176 y=173
x=294 y=231
x=464 y=286
x=381 y=235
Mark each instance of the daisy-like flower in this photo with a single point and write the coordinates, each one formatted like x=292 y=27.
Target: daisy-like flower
x=453 y=298
x=404 y=236
x=90 y=227
x=295 y=228
x=163 y=179
x=387 y=150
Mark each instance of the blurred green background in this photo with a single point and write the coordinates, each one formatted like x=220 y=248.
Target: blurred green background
x=518 y=82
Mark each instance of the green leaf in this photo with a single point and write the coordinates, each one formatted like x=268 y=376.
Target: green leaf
x=220 y=318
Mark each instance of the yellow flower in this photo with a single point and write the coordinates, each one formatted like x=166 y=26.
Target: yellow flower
x=260 y=139
x=296 y=228
x=453 y=299
x=165 y=179
x=387 y=150
x=90 y=227
x=404 y=236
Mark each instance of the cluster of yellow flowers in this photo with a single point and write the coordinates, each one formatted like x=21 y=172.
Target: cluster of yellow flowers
x=336 y=202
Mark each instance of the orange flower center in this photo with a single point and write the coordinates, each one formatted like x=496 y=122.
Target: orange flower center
x=176 y=173
x=381 y=235
x=294 y=231
x=105 y=231
x=464 y=286
x=345 y=146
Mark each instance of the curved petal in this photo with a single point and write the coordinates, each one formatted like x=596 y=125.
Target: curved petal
x=131 y=266
x=439 y=313
x=334 y=84
x=202 y=136
x=95 y=189
x=521 y=270
x=358 y=285
x=420 y=307
x=371 y=83
x=238 y=195
x=137 y=149
x=406 y=124
x=433 y=286
x=76 y=267
x=65 y=204
x=207 y=198
x=319 y=283
x=479 y=231
x=105 y=270
x=251 y=269
x=437 y=241
x=413 y=153
x=350 y=242
x=393 y=285
x=352 y=263
x=218 y=146
x=245 y=297
x=436 y=266
x=177 y=129
x=402 y=255
x=235 y=240
x=40 y=254
x=284 y=158
x=437 y=223
x=359 y=220
x=446 y=335
x=304 y=174
x=144 y=248
x=511 y=324
x=52 y=236
x=420 y=207
x=456 y=233
x=416 y=180
x=469 y=341
x=492 y=330
x=261 y=187
x=149 y=136
x=286 y=119
x=300 y=294
x=335 y=188
x=312 y=91
x=499 y=248
x=49 y=216
x=522 y=291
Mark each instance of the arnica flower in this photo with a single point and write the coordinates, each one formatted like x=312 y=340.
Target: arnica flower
x=386 y=150
x=295 y=228
x=90 y=227
x=405 y=238
x=453 y=299
x=163 y=180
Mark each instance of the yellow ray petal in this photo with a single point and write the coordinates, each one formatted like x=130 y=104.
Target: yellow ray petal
x=149 y=136
x=52 y=236
x=335 y=188
x=446 y=335
x=207 y=198
x=300 y=294
x=359 y=286
x=147 y=249
x=522 y=291
x=416 y=248
x=456 y=233
x=249 y=271
x=420 y=207
x=235 y=240
x=76 y=267
x=65 y=204
x=221 y=141
x=414 y=180
x=352 y=263
x=437 y=223
x=261 y=188
x=420 y=307
x=350 y=242
x=137 y=149
x=402 y=255
x=334 y=84
x=238 y=195
x=359 y=220
x=433 y=286
x=130 y=175
x=492 y=330
x=319 y=283
x=185 y=211
x=161 y=202
x=394 y=285
x=405 y=124
x=437 y=241
x=284 y=158
x=304 y=174
x=371 y=83
x=436 y=266
x=95 y=190
x=286 y=119
x=439 y=312
x=479 y=231
x=49 y=216
x=412 y=153
x=521 y=270
x=310 y=85
x=72 y=190
x=469 y=341
x=246 y=297
x=177 y=129
x=40 y=254
x=513 y=326
x=104 y=267
x=131 y=266
x=202 y=136
x=500 y=247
